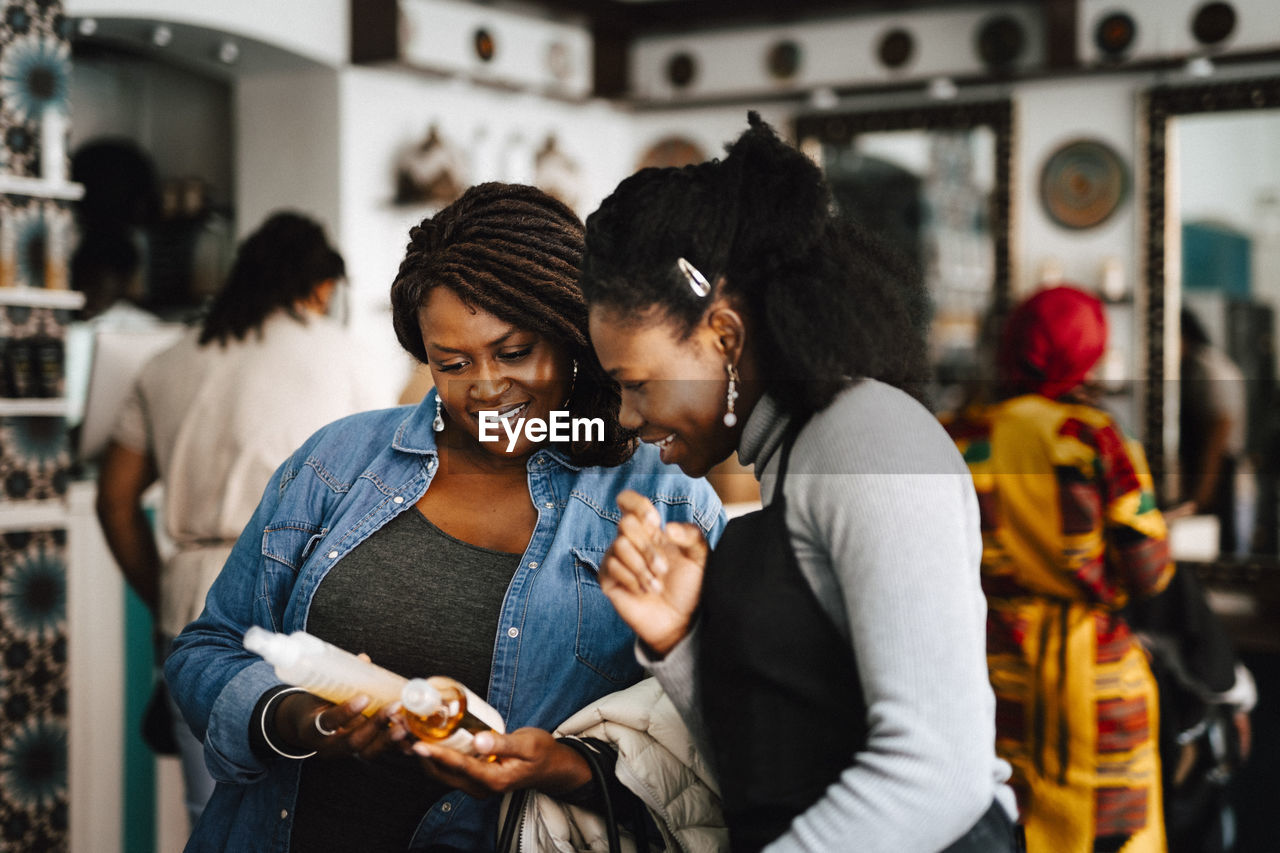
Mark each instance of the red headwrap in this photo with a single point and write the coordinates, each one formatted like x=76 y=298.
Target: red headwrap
x=1052 y=340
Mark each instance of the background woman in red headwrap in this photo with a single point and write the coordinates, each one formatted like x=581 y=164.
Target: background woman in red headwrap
x=1071 y=533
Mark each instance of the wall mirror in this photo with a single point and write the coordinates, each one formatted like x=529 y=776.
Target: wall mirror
x=1213 y=301
x=933 y=180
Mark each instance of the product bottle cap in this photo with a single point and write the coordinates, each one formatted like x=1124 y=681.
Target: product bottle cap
x=419 y=697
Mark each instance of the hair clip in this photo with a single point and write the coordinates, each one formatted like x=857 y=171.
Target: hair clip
x=697 y=282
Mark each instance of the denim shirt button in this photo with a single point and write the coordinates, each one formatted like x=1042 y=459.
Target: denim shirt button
x=398 y=499
x=446 y=807
x=513 y=632
x=534 y=564
x=333 y=555
x=284 y=813
x=548 y=504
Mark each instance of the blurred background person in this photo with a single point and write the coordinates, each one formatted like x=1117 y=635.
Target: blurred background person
x=120 y=203
x=211 y=418
x=1111 y=750
x=1211 y=432
x=1070 y=533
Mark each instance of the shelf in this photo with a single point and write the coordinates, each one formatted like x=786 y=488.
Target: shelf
x=33 y=515
x=40 y=188
x=40 y=297
x=34 y=407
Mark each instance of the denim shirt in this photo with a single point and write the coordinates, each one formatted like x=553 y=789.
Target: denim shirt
x=559 y=646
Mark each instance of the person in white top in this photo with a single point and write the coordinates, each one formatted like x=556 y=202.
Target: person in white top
x=214 y=415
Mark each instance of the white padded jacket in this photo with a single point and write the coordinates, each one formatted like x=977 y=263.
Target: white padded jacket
x=657 y=761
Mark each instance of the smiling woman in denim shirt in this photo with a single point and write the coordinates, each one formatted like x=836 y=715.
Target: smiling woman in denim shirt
x=400 y=534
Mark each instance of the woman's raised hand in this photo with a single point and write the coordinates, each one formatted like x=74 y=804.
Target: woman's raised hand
x=652 y=574
x=308 y=723
x=525 y=758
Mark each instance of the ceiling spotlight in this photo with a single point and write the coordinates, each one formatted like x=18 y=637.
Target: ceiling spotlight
x=942 y=89
x=824 y=98
x=1199 y=66
x=228 y=52
x=161 y=35
x=87 y=26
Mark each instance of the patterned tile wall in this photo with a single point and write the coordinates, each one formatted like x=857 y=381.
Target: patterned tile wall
x=35 y=237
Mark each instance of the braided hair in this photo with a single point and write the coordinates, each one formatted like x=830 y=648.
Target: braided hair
x=513 y=251
x=276 y=266
x=827 y=300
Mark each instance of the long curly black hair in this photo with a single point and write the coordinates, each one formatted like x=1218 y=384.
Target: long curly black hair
x=513 y=251
x=275 y=267
x=828 y=301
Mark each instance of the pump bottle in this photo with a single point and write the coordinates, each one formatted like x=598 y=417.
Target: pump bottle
x=442 y=710
x=324 y=669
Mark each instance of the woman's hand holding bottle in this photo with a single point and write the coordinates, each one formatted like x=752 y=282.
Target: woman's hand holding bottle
x=307 y=723
x=653 y=575
x=525 y=758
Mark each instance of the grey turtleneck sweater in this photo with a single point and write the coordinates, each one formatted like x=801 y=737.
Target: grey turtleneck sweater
x=884 y=522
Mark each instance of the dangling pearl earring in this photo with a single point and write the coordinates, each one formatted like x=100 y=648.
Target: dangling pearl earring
x=730 y=419
x=438 y=423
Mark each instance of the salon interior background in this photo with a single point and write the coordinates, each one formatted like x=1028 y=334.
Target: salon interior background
x=314 y=103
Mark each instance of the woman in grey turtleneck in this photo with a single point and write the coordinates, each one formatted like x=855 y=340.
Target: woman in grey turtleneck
x=829 y=654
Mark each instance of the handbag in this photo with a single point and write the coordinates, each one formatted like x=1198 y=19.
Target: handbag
x=518 y=806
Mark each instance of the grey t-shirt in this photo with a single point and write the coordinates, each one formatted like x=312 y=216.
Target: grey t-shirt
x=418 y=602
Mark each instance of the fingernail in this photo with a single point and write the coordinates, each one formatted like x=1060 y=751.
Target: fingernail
x=655 y=583
x=484 y=742
x=424 y=749
x=397 y=733
x=359 y=703
x=660 y=564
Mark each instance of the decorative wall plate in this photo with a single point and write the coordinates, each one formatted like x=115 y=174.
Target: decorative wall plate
x=1083 y=183
x=783 y=60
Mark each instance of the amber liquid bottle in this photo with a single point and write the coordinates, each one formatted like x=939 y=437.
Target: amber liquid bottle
x=441 y=710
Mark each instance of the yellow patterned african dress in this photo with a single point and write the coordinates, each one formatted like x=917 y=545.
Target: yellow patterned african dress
x=1070 y=533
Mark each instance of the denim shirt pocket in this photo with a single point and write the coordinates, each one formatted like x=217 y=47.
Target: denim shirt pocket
x=604 y=642
x=291 y=542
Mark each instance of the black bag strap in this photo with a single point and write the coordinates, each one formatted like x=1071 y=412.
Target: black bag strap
x=589 y=754
x=515 y=807
x=515 y=810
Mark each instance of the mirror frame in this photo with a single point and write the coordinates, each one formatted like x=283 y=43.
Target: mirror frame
x=1164 y=103
x=840 y=127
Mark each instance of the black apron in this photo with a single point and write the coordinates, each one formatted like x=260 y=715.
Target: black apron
x=780 y=692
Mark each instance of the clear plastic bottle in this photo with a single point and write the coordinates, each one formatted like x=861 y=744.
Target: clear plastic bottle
x=442 y=710
x=324 y=669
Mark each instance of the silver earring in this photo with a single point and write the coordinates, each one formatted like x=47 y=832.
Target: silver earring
x=730 y=419
x=573 y=383
x=438 y=423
